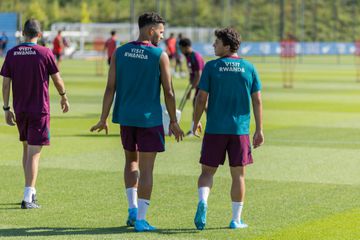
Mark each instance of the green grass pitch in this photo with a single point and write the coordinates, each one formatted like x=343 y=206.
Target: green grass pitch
x=304 y=183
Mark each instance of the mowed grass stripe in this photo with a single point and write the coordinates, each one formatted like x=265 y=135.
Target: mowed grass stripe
x=312 y=106
x=99 y=203
x=275 y=119
x=273 y=162
x=323 y=97
x=340 y=226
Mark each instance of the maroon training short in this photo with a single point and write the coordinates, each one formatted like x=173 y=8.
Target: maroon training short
x=143 y=139
x=34 y=128
x=215 y=146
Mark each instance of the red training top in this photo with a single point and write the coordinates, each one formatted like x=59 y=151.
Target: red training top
x=288 y=48
x=58 y=44
x=171 y=45
x=110 y=44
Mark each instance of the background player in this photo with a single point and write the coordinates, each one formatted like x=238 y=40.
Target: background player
x=171 y=50
x=58 y=48
x=110 y=46
x=195 y=64
x=3 y=43
x=178 y=58
x=288 y=60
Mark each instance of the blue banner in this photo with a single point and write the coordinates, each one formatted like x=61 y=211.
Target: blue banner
x=273 y=48
x=9 y=26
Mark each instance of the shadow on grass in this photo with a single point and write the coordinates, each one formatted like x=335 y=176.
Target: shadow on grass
x=84 y=116
x=10 y=206
x=170 y=231
x=186 y=230
x=96 y=134
x=47 y=231
x=13 y=203
x=90 y=135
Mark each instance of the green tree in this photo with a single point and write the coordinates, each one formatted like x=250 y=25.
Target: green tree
x=35 y=10
x=107 y=11
x=54 y=10
x=85 y=14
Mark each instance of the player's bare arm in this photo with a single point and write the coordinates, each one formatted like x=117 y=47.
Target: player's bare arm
x=196 y=79
x=200 y=105
x=108 y=97
x=258 y=138
x=60 y=86
x=169 y=96
x=9 y=115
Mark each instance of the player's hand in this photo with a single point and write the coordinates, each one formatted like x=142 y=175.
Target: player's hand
x=197 y=129
x=10 y=118
x=64 y=103
x=258 y=139
x=101 y=125
x=176 y=130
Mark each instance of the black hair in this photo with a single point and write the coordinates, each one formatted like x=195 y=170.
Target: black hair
x=185 y=42
x=229 y=37
x=113 y=32
x=32 y=28
x=150 y=18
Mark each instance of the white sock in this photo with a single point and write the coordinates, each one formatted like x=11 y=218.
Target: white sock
x=142 y=209
x=203 y=193
x=28 y=192
x=131 y=194
x=236 y=211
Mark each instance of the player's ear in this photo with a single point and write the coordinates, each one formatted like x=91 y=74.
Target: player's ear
x=151 y=31
x=39 y=34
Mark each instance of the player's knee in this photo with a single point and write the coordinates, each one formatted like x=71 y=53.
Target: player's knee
x=207 y=174
x=208 y=170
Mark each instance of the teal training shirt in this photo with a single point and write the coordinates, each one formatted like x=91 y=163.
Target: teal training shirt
x=137 y=98
x=230 y=81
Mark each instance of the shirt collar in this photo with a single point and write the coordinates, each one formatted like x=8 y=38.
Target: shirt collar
x=28 y=44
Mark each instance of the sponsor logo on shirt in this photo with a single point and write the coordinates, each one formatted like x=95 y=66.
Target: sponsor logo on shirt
x=136 y=53
x=232 y=67
x=25 y=51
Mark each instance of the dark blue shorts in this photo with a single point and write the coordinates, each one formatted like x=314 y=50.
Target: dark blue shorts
x=215 y=147
x=34 y=128
x=143 y=139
